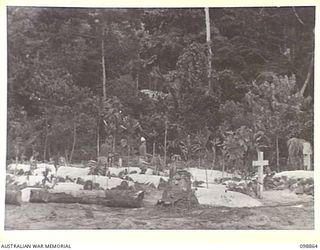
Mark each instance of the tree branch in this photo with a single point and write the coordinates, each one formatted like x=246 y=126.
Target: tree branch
x=297 y=16
x=308 y=76
x=261 y=10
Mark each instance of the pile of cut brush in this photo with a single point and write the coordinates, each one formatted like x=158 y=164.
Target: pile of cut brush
x=246 y=186
x=296 y=183
x=300 y=182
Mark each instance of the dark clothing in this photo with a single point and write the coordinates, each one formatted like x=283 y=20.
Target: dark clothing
x=124 y=156
x=106 y=150
x=143 y=150
x=106 y=156
x=124 y=151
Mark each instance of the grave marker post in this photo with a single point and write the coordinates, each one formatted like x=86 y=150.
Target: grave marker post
x=260 y=163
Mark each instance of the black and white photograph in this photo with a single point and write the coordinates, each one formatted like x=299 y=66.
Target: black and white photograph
x=160 y=118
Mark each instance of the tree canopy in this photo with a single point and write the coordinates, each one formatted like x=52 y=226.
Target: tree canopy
x=77 y=75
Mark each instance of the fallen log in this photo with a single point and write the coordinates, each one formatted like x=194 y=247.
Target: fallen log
x=13 y=197
x=123 y=198
x=109 y=198
x=38 y=196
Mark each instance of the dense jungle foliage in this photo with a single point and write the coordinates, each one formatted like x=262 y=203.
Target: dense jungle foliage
x=77 y=75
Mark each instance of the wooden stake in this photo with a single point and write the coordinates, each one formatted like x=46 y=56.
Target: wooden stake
x=74 y=140
x=223 y=166
x=260 y=163
x=165 y=142
x=113 y=149
x=206 y=177
x=277 y=150
x=45 y=142
x=153 y=156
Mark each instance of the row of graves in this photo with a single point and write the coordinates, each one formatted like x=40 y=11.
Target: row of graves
x=76 y=184
x=130 y=186
x=299 y=182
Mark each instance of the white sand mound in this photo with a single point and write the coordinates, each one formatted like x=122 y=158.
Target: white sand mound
x=41 y=167
x=148 y=179
x=65 y=186
x=200 y=174
x=104 y=181
x=30 y=180
x=216 y=196
x=13 y=166
x=72 y=172
x=296 y=174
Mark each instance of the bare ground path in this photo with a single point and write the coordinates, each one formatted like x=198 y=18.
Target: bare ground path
x=77 y=216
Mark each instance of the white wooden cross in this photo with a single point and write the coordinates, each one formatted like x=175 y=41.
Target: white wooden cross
x=260 y=163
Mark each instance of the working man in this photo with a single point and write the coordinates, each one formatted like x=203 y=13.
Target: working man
x=106 y=154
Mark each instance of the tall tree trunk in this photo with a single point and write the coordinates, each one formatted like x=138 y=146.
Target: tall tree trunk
x=128 y=164
x=153 y=160
x=153 y=150
x=74 y=140
x=104 y=80
x=49 y=150
x=66 y=154
x=98 y=139
x=213 y=156
x=137 y=84
x=223 y=166
x=113 y=148
x=208 y=32
x=277 y=150
x=45 y=142
x=38 y=58
x=308 y=77
x=205 y=168
x=165 y=141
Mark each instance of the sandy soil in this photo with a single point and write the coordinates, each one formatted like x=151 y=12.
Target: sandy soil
x=298 y=214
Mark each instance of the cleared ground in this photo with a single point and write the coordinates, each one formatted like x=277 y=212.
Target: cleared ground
x=281 y=209
x=76 y=216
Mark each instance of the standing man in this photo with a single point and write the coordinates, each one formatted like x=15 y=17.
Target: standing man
x=124 y=153
x=106 y=154
x=33 y=160
x=143 y=155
